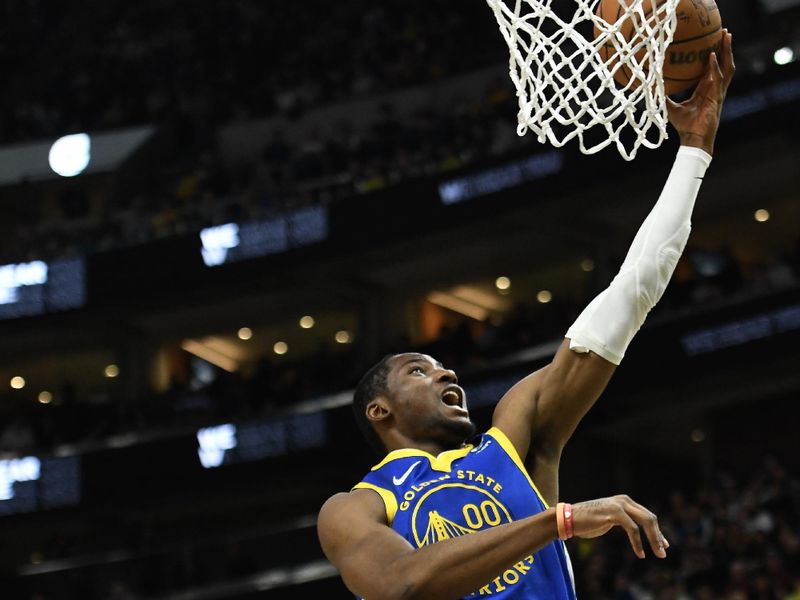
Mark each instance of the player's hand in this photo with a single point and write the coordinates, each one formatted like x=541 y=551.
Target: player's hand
x=697 y=119
x=596 y=517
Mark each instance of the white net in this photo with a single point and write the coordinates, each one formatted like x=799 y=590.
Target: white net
x=589 y=69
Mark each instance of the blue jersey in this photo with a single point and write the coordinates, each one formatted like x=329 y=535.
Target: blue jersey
x=462 y=491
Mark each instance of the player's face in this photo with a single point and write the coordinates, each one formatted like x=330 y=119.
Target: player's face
x=427 y=401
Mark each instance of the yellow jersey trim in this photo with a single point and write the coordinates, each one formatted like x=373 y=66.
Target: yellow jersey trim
x=443 y=462
x=506 y=444
x=389 y=501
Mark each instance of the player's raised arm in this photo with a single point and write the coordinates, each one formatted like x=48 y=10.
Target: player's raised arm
x=544 y=409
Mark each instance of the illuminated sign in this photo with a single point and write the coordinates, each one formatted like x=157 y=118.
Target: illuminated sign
x=742 y=331
x=762 y=99
x=213 y=442
x=217 y=241
x=13 y=277
x=228 y=444
x=29 y=483
x=37 y=287
x=233 y=242
x=501 y=178
x=13 y=471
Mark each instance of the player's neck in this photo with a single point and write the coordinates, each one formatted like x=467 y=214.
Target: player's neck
x=401 y=442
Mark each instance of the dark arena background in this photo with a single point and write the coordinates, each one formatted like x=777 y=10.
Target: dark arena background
x=217 y=214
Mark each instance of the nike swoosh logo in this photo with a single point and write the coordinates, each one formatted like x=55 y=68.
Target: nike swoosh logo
x=404 y=476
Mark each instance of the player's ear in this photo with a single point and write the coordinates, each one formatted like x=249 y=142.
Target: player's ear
x=378 y=409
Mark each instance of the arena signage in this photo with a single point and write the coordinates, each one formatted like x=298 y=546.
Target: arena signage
x=37 y=287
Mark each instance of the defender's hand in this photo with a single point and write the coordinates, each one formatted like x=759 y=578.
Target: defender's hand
x=596 y=517
x=697 y=119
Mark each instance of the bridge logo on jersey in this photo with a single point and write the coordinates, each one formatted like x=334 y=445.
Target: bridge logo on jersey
x=454 y=509
x=440 y=529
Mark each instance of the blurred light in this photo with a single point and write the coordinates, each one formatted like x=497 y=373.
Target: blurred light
x=210 y=355
x=213 y=442
x=280 y=348
x=45 y=397
x=502 y=283
x=36 y=558
x=111 y=371
x=307 y=322
x=500 y=178
x=70 y=155
x=783 y=56
x=698 y=435
x=27 y=468
x=544 y=296
x=245 y=333
x=343 y=337
x=459 y=305
x=587 y=265
x=17 y=382
x=217 y=241
x=761 y=215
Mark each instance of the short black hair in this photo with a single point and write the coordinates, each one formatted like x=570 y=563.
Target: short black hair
x=372 y=384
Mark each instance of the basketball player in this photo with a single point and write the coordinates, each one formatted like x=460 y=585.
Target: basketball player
x=441 y=518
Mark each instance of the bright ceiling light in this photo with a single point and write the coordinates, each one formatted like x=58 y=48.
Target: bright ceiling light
x=245 y=333
x=587 y=265
x=17 y=382
x=783 y=56
x=544 y=296
x=502 y=283
x=307 y=322
x=45 y=397
x=111 y=371
x=280 y=348
x=761 y=215
x=70 y=155
x=343 y=337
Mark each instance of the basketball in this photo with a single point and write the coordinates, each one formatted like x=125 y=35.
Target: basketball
x=697 y=34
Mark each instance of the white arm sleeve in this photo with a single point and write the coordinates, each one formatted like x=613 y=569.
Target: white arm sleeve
x=609 y=323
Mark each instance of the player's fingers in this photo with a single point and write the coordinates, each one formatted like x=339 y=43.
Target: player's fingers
x=725 y=56
x=632 y=529
x=673 y=108
x=649 y=523
x=708 y=83
x=713 y=85
x=727 y=51
x=715 y=71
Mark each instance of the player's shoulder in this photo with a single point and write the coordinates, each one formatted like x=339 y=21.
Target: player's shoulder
x=357 y=503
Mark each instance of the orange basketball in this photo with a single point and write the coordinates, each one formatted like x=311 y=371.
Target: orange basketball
x=698 y=32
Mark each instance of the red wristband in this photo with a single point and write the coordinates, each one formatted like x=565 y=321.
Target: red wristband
x=568 y=520
x=562 y=531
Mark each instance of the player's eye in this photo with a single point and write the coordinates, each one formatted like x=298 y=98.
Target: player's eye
x=414 y=369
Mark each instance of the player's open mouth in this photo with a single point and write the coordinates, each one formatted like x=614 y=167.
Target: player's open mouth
x=453 y=396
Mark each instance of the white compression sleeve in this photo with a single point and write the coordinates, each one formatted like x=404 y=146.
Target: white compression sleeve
x=609 y=322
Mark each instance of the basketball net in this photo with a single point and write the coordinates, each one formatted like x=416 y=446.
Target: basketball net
x=565 y=82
